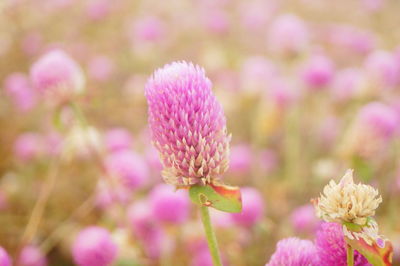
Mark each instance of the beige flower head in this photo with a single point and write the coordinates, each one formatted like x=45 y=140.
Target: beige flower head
x=347 y=202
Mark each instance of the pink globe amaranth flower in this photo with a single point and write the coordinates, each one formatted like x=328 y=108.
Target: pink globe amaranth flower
x=252 y=208
x=28 y=146
x=129 y=167
x=351 y=39
x=331 y=249
x=56 y=74
x=94 y=246
x=101 y=68
x=294 y=252
x=256 y=72
x=255 y=15
x=144 y=227
x=187 y=124
x=346 y=84
x=303 y=219
x=168 y=205
x=379 y=119
x=32 y=256
x=216 y=21
x=117 y=139
x=381 y=67
x=288 y=35
x=22 y=95
x=107 y=196
x=202 y=258
x=5 y=259
x=282 y=93
x=98 y=9
x=318 y=72
x=241 y=158
x=148 y=29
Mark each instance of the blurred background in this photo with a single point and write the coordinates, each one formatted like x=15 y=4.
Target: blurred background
x=309 y=87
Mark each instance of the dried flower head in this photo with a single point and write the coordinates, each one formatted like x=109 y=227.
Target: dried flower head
x=347 y=202
x=188 y=125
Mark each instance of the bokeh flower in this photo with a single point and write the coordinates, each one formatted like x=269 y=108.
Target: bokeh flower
x=188 y=125
x=169 y=206
x=129 y=167
x=5 y=259
x=288 y=35
x=57 y=76
x=303 y=219
x=32 y=256
x=118 y=139
x=252 y=208
x=94 y=246
x=19 y=90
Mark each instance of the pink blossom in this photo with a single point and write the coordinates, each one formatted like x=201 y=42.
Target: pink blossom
x=168 y=205
x=28 y=146
x=304 y=220
x=5 y=259
x=58 y=75
x=187 y=124
x=129 y=167
x=117 y=139
x=318 y=72
x=22 y=95
x=347 y=84
x=94 y=246
x=288 y=35
x=145 y=228
x=253 y=208
x=32 y=256
x=382 y=67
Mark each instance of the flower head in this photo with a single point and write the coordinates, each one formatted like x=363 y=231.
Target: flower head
x=253 y=208
x=32 y=256
x=168 y=205
x=56 y=74
x=303 y=219
x=94 y=246
x=294 y=252
x=188 y=125
x=347 y=202
x=331 y=247
x=128 y=167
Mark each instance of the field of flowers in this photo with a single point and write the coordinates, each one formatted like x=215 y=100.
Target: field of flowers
x=199 y=132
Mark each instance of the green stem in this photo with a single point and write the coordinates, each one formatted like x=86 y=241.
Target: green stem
x=350 y=255
x=210 y=235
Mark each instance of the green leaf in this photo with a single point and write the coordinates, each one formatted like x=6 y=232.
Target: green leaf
x=221 y=197
x=377 y=255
